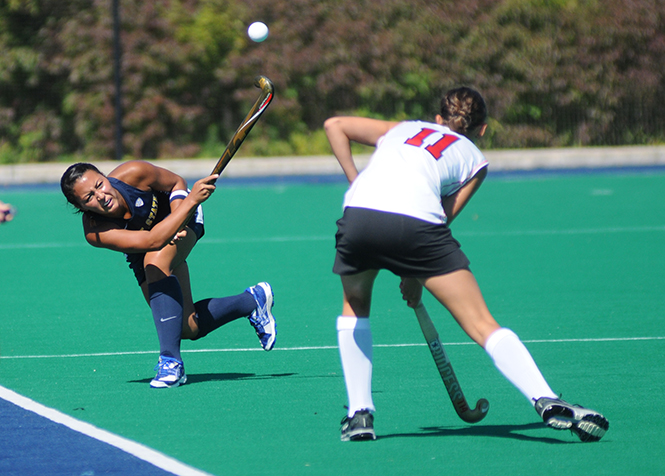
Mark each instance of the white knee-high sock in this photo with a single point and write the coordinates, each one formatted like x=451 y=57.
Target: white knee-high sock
x=355 y=349
x=516 y=364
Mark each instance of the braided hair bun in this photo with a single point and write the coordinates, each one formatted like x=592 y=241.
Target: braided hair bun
x=463 y=110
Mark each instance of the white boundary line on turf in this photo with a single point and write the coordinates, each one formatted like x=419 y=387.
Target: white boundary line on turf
x=322 y=347
x=295 y=239
x=142 y=452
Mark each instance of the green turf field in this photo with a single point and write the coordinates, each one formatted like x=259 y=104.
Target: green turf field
x=572 y=263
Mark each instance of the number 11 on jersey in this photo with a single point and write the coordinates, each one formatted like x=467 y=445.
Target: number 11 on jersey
x=436 y=149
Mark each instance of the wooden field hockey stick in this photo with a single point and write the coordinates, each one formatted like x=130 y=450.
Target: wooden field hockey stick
x=262 y=102
x=446 y=371
x=267 y=93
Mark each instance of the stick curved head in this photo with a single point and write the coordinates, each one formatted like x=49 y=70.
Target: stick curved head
x=478 y=413
x=264 y=83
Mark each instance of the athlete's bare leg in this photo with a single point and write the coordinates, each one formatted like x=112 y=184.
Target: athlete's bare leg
x=459 y=293
x=358 y=293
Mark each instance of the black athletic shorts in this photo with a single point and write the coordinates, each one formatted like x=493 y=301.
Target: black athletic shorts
x=408 y=247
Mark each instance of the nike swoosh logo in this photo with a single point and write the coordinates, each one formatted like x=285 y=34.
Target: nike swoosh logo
x=168 y=318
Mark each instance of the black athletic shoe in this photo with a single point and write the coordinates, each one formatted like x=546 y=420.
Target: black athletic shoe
x=588 y=425
x=359 y=427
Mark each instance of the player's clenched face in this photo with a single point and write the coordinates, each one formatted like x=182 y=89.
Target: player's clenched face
x=96 y=194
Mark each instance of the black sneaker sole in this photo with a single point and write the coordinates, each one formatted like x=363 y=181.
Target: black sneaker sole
x=360 y=435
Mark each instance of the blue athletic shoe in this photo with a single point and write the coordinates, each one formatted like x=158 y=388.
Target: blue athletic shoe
x=261 y=318
x=170 y=373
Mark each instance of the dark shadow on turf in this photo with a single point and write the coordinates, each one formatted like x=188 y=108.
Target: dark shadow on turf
x=221 y=377
x=499 y=431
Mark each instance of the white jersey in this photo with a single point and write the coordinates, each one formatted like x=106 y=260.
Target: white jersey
x=414 y=166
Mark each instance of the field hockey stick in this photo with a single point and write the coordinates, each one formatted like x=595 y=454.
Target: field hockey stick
x=267 y=93
x=262 y=102
x=446 y=371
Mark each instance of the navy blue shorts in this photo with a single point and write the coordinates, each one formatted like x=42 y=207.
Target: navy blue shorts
x=406 y=246
x=135 y=260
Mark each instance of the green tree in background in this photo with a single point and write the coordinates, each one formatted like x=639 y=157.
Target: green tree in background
x=31 y=124
x=566 y=72
x=554 y=72
x=57 y=78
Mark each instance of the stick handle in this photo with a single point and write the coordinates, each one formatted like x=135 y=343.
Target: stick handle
x=267 y=93
x=262 y=102
x=446 y=371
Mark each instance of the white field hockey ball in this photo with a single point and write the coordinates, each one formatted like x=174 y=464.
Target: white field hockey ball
x=257 y=31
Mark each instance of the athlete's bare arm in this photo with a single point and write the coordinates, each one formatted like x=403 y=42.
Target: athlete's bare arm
x=110 y=236
x=344 y=129
x=453 y=204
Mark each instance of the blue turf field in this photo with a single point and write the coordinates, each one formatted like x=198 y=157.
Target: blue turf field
x=571 y=262
x=33 y=444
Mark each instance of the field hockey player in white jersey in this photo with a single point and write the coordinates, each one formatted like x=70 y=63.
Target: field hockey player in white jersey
x=397 y=216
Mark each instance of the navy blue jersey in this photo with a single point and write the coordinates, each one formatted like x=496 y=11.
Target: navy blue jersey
x=147 y=208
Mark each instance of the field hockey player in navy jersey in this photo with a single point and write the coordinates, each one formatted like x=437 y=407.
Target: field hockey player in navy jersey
x=148 y=213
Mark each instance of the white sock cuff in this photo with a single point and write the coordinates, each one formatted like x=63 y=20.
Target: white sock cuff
x=496 y=337
x=350 y=323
